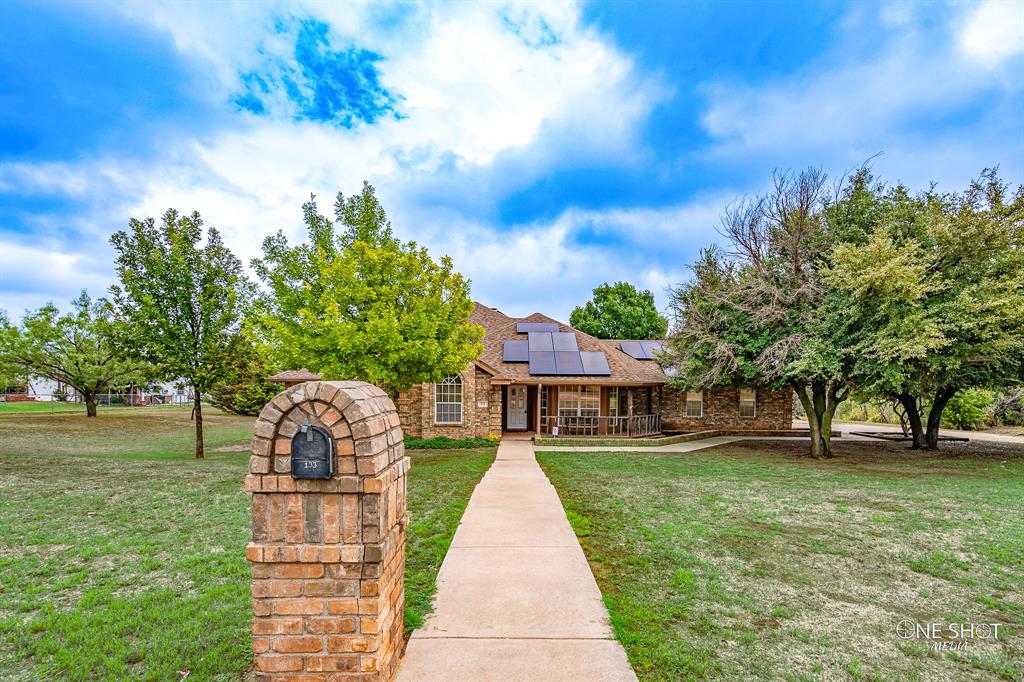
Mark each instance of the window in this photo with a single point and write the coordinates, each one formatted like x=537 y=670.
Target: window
x=613 y=401
x=695 y=403
x=448 y=401
x=579 y=401
x=748 y=403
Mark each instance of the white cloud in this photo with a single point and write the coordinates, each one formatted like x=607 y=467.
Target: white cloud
x=880 y=91
x=550 y=267
x=993 y=31
x=32 y=276
x=479 y=97
x=488 y=110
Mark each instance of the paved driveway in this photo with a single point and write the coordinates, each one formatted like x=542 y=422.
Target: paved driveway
x=847 y=427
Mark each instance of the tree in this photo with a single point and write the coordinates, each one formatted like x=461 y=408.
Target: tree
x=754 y=314
x=932 y=287
x=181 y=301
x=244 y=388
x=619 y=311
x=356 y=303
x=75 y=348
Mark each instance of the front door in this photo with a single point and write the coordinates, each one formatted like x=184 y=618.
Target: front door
x=517 y=408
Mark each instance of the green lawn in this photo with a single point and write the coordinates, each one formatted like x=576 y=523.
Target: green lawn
x=45 y=407
x=751 y=561
x=122 y=557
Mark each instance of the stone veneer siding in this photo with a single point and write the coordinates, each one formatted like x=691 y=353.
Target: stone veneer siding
x=722 y=410
x=481 y=409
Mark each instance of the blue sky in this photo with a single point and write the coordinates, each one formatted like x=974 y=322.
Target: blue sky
x=546 y=148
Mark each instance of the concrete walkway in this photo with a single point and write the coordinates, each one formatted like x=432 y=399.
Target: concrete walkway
x=515 y=597
x=846 y=428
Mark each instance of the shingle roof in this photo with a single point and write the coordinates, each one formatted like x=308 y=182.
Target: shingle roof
x=500 y=328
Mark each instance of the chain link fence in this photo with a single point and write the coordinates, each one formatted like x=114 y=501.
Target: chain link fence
x=15 y=403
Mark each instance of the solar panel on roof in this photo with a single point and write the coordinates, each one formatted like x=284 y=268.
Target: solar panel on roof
x=595 y=363
x=527 y=327
x=542 y=362
x=641 y=350
x=568 y=362
x=633 y=349
x=564 y=341
x=516 y=351
x=540 y=341
x=651 y=347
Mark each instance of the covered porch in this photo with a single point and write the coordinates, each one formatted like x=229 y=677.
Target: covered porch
x=581 y=410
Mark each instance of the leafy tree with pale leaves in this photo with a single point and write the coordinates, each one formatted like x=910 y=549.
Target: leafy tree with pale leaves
x=931 y=289
x=75 y=348
x=619 y=311
x=356 y=303
x=181 y=300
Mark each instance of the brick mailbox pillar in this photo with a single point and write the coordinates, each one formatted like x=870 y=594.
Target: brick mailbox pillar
x=328 y=555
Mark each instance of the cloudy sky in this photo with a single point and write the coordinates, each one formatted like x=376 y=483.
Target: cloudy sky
x=546 y=147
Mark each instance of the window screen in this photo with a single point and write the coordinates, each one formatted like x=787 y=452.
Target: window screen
x=748 y=403
x=695 y=403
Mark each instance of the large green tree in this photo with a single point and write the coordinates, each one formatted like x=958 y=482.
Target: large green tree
x=619 y=311
x=356 y=303
x=75 y=348
x=752 y=313
x=931 y=290
x=181 y=301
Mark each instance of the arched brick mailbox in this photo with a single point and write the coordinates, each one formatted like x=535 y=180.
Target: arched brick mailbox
x=328 y=539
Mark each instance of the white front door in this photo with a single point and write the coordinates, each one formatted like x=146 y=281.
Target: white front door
x=517 y=408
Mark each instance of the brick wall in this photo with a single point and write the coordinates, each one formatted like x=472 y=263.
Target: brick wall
x=722 y=410
x=481 y=409
x=328 y=555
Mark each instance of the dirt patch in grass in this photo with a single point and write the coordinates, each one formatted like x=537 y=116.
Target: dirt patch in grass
x=752 y=560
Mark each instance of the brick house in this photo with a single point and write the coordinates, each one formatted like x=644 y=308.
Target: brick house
x=537 y=375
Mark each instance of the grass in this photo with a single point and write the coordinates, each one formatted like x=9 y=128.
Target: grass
x=751 y=561
x=23 y=407
x=122 y=557
x=440 y=483
x=32 y=407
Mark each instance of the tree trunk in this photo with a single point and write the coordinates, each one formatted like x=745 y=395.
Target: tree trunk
x=913 y=412
x=90 y=405
x=826 y=426
x=820 y=407
x=197 y=410
x=942 y=396
x=812 y=418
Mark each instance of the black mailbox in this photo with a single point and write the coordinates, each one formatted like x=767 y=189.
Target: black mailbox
x=312 y=453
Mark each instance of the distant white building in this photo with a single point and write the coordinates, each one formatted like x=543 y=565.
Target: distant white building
x=169 y=392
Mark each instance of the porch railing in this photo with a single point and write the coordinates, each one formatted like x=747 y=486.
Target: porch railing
x=625 y=427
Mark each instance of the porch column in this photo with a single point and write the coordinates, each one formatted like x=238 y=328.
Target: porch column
x=603 y=412
x=538 y=426
x=629 y=422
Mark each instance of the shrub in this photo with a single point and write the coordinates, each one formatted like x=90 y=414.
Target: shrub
x=244 y=388
x=446 y=443
x=968 y=409
x=1008 y=408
